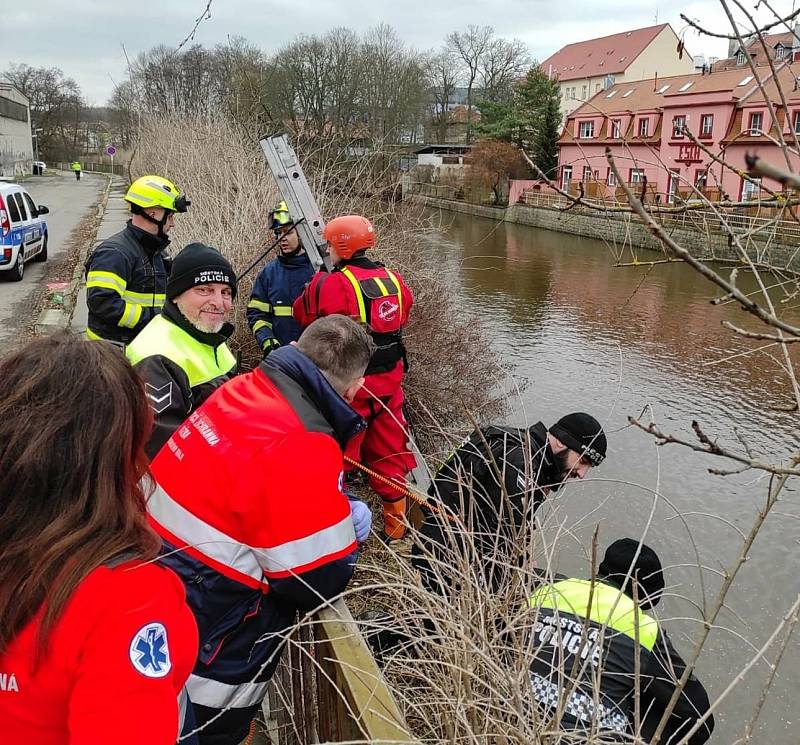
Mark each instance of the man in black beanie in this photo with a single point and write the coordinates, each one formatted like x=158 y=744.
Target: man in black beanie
x=182 y=353
x=492 y=484
x=600 y=632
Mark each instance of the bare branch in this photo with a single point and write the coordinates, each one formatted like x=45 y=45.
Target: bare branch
x=205 y=15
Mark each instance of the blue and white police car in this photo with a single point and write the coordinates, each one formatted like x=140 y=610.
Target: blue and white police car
x=23 y=231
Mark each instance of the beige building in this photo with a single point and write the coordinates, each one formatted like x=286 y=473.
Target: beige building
x=16 y=148
x=586 y=67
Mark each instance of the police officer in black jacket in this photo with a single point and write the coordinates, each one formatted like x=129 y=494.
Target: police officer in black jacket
x=491 y=487
x=588 y=635
x=126 y=275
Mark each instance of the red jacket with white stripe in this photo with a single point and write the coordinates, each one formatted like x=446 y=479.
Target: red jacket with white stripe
x=115 y=666
x=249 y=492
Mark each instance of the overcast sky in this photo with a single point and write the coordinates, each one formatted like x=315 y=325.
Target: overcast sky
x=85 y=37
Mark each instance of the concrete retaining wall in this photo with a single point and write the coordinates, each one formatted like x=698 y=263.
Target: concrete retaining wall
x=626 y=229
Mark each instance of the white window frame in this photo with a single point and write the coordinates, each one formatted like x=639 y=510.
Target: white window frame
x=637 y=175
x=616 y=129
x=703 y=119
x=755 y=131
x=646 y=122
x=678 y=131
x=566 y=177
x=749 y=189
x=611 y=179
x=583 y=128
x=741 y=58
x=796 y=122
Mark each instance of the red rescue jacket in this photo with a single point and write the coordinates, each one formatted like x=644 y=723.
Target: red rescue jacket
x=372 y=294
x=250 y=505
x=117 y=662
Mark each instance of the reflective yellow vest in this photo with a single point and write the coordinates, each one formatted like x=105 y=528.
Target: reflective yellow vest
x=201 y=363
x=572 y=596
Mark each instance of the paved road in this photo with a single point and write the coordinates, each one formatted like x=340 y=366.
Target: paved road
x=69 y=201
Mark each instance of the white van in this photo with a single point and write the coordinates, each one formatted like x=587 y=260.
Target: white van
x=23 y=232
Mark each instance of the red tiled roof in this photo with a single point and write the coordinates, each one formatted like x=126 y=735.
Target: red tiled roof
x=596 y=57
x=756 y=50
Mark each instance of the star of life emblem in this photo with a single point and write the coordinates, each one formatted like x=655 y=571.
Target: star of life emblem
x=149 y=651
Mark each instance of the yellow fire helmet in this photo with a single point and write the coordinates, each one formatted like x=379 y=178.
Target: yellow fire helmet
x=156 y=191
x=280 y=217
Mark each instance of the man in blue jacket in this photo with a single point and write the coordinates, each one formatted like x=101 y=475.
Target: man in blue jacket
x=278 y=285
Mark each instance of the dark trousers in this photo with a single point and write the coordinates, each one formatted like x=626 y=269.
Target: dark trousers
x=77 y=175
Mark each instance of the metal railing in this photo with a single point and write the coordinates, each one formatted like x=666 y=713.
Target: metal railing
x=741 y=219
x=95 y=167
x=328 y=688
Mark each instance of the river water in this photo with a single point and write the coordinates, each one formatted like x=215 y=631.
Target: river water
x=581 y=335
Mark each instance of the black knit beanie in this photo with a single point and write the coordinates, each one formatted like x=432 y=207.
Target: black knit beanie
x=647 y=571
x=583 y=434
x=198 y=264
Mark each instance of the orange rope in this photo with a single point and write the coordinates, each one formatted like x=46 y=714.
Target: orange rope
x=402 y=488
x=251 y=734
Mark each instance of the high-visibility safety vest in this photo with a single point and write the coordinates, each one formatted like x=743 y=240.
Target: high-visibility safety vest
x=202 y=363
x=610 y=607
x=370 y=292
x=181 y=367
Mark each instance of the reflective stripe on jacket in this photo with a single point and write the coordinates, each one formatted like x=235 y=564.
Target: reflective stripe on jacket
x=251 y=509
x=126 y=284
x=269 y=312
x=181 y=367
x=365 y=290
x=603 y=642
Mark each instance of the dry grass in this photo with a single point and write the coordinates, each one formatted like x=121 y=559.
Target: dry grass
x=222 y=170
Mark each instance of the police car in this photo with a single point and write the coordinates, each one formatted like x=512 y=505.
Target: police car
x=23 y=232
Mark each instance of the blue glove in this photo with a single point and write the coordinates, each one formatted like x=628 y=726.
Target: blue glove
x=362 y=519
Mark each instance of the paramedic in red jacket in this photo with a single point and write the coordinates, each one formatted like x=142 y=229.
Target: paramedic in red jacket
x=96 y=642
x=366 y=290
x=250 y=505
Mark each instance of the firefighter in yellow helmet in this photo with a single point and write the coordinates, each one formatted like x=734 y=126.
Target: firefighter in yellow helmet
x=278 y=285
x=126 y=275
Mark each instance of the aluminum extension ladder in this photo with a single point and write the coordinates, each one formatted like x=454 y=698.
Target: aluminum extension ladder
x=303 y=208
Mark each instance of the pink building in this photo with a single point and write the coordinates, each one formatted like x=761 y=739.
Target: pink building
x=645 y=125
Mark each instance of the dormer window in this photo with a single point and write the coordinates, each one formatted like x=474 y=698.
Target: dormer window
x=780 y=51
x=586 y=130
x=741 y=58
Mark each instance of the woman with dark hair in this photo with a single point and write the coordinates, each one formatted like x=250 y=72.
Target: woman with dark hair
x=96 y=641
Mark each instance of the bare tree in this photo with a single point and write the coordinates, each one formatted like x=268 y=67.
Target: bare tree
x=442 y=70
x=56 y=105
x=470 y=47
x=502 y=65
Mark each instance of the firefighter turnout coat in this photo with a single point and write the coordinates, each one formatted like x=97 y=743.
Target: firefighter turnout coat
x=115 y=667
x=595 y=629
x=269 y=312
x=250 y=505
x=181 y=367
x=126 y=284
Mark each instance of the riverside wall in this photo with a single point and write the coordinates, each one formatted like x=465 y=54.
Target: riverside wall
x=705 y=241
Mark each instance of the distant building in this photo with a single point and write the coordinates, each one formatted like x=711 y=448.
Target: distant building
x=645 y=125
x=16 y=145
x=451 y=128
x=587 y=67
x=779 y=47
